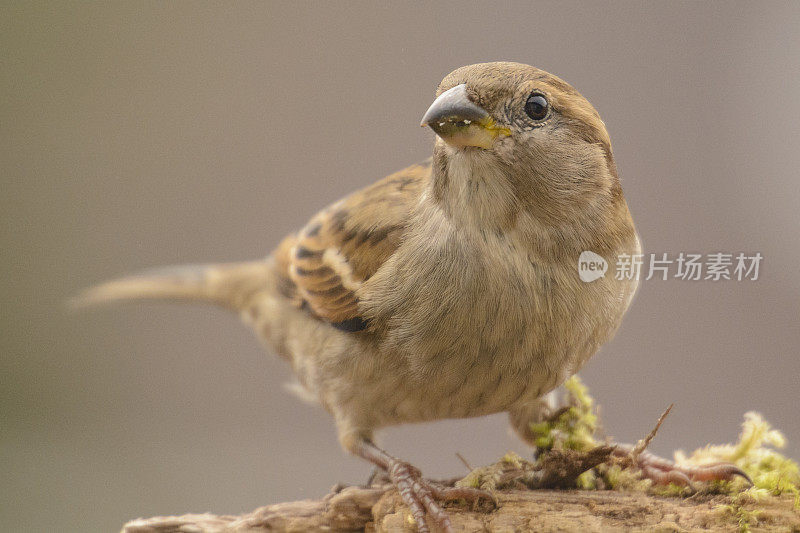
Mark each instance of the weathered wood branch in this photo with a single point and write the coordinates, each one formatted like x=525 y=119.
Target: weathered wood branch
x=379 y=509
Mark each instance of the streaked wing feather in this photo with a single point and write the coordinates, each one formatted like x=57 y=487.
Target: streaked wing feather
x=325 y=264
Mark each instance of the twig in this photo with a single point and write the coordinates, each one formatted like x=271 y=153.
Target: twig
x=464 y=461
x=645 y=442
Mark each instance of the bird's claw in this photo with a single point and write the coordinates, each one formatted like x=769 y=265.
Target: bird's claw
x=419 y=496
x=422 y=497
x=717 y=472
x=468 y=494
x=663 y=472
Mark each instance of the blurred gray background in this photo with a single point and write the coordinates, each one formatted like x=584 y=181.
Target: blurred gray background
x=142 y=134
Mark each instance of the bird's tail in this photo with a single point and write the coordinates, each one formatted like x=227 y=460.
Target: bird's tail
x=229 y=285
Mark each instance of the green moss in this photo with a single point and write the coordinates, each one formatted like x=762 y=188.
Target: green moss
x=513 y=459
x=571 y=434
x=484 y=477
x=740 y=507
x=624 y=479
x=670 y=490
x=574 y=427
x=587 y=480
x=755 y=452
x=744 y=517
x=503 y=474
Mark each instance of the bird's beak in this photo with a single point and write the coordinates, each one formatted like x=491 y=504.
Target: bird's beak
x=460 y=122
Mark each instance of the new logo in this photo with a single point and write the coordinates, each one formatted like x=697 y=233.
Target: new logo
x=591 y=266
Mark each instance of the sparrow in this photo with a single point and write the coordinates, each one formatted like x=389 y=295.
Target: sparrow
x=451 y=288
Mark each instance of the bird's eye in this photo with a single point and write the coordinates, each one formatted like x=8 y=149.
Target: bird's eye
x=536 y=106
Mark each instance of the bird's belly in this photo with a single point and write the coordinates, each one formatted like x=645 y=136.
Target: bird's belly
x=500 y=343
x=468 y=392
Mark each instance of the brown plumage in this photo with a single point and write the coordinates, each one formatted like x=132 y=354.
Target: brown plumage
x=451 y=288
x=345 y=244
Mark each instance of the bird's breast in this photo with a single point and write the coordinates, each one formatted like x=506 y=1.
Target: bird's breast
x=482 y=324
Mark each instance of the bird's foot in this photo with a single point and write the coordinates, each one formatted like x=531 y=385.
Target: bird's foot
x=662 y=471
x=422 y=496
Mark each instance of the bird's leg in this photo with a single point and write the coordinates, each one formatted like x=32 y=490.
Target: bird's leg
x=421 y=496
x=523 y=416
x=662 y=471
x=377 y=475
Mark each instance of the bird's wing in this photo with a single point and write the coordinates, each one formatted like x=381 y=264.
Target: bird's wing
x=324 y=264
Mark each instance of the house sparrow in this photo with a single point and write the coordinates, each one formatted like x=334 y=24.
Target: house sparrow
x=449 y=289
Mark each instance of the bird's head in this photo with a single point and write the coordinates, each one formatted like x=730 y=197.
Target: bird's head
x=515 y=124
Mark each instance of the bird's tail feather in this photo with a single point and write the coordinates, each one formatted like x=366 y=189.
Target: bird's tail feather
x=229 y=285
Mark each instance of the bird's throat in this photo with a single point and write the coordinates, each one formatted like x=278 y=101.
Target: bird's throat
x=473 y=189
